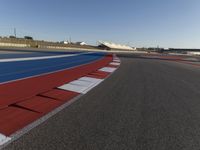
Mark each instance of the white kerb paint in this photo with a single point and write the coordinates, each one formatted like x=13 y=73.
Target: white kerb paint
x=73 y=88
x=90 y=79
x=4 y=139
x=116 y=60
x=82 y=85
x=115 y=63
x=91 y=87
x=108 y=69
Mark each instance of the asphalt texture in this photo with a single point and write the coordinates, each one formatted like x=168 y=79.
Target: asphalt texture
x=146 y=104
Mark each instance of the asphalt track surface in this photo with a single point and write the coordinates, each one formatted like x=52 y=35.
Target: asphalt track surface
x=146 y=104
x=22 y=69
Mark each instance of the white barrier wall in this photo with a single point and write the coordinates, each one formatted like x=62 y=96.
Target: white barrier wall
x=116 y=46
x=14 y=45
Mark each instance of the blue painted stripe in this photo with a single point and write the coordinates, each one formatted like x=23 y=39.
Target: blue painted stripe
x=17 y=70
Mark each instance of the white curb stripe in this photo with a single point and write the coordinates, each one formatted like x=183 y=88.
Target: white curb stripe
x=115 y=63
x=95 y=82
x=108 y=69
x=116 y=60
x=90 y=88
x=73 y=88
x=4 y=139
x=82 y=85
x=90 y=79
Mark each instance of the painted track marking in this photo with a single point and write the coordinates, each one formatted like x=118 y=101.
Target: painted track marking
x=42 y=57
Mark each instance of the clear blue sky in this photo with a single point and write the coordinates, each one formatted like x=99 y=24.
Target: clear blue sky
x=168 y=23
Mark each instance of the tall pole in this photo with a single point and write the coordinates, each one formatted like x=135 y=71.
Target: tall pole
x=15 y=32
x=70 y=39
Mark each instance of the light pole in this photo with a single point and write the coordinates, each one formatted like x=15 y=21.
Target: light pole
x=15 y=32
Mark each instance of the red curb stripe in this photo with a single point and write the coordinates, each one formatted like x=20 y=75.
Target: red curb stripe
x=61 y=95
x=13 y=118
x=19 y=90
x=40 y=104
x=100 y=74
x=113 y=66
x=95 y=76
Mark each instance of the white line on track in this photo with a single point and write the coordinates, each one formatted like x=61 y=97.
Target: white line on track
x=42 y=57
x=4 y=139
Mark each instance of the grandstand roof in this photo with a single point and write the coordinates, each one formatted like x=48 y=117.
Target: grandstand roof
x=116 y=46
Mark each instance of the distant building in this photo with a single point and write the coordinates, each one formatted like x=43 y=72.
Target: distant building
x=12 y=37
x=81 y=43
x=166 y=49
x=64 y=42
x=185 y=51
x=28 y=37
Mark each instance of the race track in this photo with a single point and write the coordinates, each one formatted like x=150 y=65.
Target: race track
x=35 y=86
x=146 y=104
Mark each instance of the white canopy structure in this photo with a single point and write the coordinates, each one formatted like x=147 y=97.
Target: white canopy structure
x=116 y=46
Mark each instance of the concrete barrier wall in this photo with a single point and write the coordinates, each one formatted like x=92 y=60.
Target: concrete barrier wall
x=13 y=45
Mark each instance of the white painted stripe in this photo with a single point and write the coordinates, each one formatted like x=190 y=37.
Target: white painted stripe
x=73 y=88
x=115 y=63
x=4 y=139
x=108 y=69
x=116 y=60
x=41 y=58
x=82 y=85
x=91 y=87
x=90 y=79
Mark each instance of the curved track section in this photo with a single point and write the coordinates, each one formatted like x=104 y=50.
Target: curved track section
x=24 y=101
x=147 y=104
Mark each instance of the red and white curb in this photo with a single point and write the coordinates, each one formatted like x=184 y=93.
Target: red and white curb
x=85 y=84
x=75 y=87
x=82 y=85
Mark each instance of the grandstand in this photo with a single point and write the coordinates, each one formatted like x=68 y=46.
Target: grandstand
x=30 y=43
x=113 y=46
